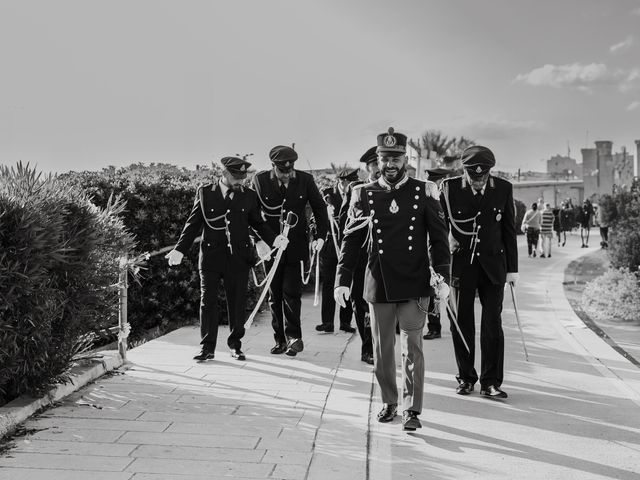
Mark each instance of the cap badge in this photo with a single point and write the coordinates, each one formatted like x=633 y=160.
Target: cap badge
x=393 y=208
x=243 y=168
x=390 y=141
x=478 y=169
x=286 y=164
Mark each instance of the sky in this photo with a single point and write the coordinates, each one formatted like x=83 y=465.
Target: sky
x=86 y=84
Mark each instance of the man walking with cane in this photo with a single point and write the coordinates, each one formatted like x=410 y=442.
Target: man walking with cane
x=480 y=210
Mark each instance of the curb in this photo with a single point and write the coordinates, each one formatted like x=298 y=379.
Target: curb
x=17 y=411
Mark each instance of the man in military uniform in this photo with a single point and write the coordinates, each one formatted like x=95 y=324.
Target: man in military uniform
x=282 y=190
x=223 y=212
x=399 y=219
x=334 y=197
x=480 y=209
x=369 y=161
x=434 y=327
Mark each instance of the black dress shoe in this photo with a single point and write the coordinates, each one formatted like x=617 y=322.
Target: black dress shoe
x=431 y=334
x=205 y=354
x=367 y=358
x=493 y=392
x=295 y=346
x=324 y=327
x=464 y=388
x=346 y=328
x=237 y=354
x=388 y=412
x=278 y=348
x=410 y=420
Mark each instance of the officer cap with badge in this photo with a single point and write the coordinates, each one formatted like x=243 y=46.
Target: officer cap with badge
x=369 y=156
x=350 y=175
x=283 y=158
x=392 y=142
x=237 y=167
x=435 y=174
x=477 y=160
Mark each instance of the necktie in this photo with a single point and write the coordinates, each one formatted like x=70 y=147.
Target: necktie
x=227 y=196
x=283 y=189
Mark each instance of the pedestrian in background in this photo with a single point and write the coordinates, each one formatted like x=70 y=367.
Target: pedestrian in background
x=557 y=224
x=584 y=218
x=603 y=225
x=334 y=197
x=434 y=326
x=531 y=227
x=546 y=230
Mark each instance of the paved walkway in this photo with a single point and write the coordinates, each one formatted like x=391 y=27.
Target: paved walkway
x=573 y=410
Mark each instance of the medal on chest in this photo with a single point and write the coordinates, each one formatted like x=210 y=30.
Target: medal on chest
x=498 y=217
x=393 y=208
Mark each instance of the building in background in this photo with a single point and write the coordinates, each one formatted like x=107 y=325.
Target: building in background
x=560 y=167
x=602 y=169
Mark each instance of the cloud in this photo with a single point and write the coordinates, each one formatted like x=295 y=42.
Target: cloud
x=622 y=46
x=636 y=11
x=581 y=77
x=633 y=106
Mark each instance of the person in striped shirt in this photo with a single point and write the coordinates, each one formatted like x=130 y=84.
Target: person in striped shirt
x=546 y=230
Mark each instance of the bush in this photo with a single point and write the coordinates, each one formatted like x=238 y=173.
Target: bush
x=58 y=267
x=158 y=202
x=613 y=296
x=622 y=212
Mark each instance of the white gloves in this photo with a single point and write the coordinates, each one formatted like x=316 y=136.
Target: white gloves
x=512 y=278
x=264 y=252
x=331 y=210
x=443 y=291
x=341 y=295
x=174 y=257
x=317 y=245
x=281 y=242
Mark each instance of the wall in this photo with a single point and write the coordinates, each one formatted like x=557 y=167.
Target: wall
x=551 y=191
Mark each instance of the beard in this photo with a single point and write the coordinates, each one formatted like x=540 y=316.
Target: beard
x=236 y=187
x=393 y=174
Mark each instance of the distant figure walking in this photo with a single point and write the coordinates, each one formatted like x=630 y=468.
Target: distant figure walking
x=557 y=224
x=531 y=227
x=546 y=230
x=603 y=224
x=584 y=218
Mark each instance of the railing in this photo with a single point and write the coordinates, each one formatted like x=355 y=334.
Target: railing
x=123 y=284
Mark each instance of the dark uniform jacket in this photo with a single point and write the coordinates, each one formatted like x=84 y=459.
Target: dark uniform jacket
x=218 y=217
x=493 y=217
x=301 y=189
x=333 y=197
x=405 y=224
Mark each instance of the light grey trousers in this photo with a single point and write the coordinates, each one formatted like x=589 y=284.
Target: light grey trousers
x=383 y=330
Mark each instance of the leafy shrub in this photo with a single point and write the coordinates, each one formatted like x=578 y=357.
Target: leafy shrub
x=58 y=264
x=613 y=295
x=622 y=212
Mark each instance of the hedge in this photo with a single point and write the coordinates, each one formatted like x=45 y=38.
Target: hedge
x=58 y=269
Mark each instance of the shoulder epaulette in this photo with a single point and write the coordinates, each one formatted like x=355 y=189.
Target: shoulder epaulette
x=432 y=190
